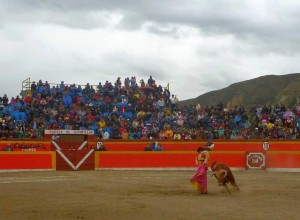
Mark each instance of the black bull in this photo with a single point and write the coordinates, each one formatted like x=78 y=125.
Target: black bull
x=224 y=175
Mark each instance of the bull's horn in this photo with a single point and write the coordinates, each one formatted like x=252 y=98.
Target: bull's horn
x=225 y=173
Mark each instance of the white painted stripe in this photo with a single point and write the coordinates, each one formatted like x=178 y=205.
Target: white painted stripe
x=193 y=168
x=284 y=169
x=152 y=177
x=66 y=159
x=24 y=170
x=285 y=189
x=56 y=145
x=82 y=145
x=84 y=158
x=164 y=168
x=35 y=180
x=32 y=177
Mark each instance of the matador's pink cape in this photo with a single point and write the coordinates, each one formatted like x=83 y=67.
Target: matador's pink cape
x=199 y=179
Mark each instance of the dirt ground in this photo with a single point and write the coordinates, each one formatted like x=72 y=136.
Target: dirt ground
x=143 y=195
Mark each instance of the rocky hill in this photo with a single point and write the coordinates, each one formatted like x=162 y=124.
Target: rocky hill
x=264 y=90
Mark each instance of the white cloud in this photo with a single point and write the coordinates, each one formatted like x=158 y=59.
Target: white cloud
x=196 y=47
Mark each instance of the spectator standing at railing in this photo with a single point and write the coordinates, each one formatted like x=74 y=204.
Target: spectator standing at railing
x=207 y=121
x=55 y=137
x=142 y=83
x=150 y=81
x=8 y=147
x=100 y=88
x=148 y=147
x=133 y=81
x=62 y=86
x=174 y=101
x=33 y=86
x=156 y=146
x=40 y=84
x=127 y=83
x=166 y=93
x=46 y=85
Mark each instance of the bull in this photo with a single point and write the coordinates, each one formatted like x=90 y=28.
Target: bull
x=224 y=175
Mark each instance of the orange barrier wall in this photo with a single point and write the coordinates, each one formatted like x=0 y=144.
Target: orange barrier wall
x=164 y=159
x=10 y=161
x=191 y=145
x=281 y=155
x=283 y=159
x=119 y=145
x=175 y=159
x=284 y=155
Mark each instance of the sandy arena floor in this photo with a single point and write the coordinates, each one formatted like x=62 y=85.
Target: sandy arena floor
x=146 y=195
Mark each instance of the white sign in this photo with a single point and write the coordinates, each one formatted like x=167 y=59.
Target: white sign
x=256 y=160
x=266 y=146
x=76 y=132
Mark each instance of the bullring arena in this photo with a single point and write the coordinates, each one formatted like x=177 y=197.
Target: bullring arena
x=147 y=194
x=69 y=179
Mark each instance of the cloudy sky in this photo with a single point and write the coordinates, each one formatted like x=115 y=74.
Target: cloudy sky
x=195 y=46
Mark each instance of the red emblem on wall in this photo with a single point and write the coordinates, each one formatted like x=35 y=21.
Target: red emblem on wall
x=255 y=160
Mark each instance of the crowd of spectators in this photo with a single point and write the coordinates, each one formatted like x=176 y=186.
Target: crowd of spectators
x=138 y=110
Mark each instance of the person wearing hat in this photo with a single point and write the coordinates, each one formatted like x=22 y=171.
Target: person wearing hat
x=209 y=145
x=199 y=179
x=203 y=153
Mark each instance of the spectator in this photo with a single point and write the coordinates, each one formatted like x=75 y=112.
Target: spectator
x=8 y=147
x=105 y=135
x=62 y=86
x=100 y=147
x=28 y=99
x=124 y=135
x=177 y=136
x=33 y=87
x=41 y=146
x=139 y=110
x=161 y=104
x=150 y=81
x=148 y=148
x=156 y=147
x=55 y=137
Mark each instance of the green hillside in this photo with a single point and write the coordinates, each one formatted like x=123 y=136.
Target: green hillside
x=264 y=90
